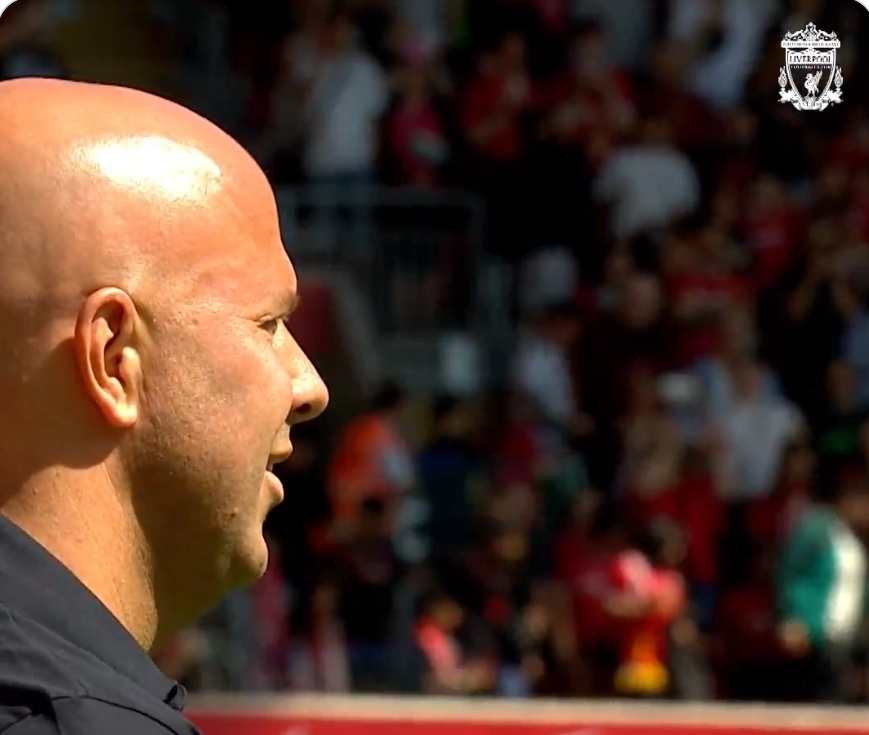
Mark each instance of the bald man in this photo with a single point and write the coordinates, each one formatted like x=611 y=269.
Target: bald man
x=147 y=386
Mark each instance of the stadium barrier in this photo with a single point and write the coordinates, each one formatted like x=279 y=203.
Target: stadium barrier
x=356 y=715
x=415 y=253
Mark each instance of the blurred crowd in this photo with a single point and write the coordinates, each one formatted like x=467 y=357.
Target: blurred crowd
x=670 y=496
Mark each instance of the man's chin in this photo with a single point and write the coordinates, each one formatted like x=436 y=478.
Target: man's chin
x=250 y=564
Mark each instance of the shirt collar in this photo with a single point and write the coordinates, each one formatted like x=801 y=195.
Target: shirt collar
x=32 y=581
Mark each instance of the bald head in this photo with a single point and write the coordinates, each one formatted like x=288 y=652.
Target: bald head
x=143 y=284
x=94 y=178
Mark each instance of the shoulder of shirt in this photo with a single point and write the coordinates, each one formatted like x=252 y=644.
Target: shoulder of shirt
x=44 y=676
x=74 y=715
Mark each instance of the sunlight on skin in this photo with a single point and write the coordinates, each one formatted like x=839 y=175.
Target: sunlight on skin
x=178 y=171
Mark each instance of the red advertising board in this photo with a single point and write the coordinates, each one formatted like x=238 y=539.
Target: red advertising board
x=345 y=716
x=217 y=725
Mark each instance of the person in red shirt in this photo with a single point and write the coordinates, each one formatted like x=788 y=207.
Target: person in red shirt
x=494 y=109
x=590 y=102
x=589 y=564
x=651 y=597
x=701 y=515
x=652 y=449
x=492 y=105
x=686 y=496
x=770 y=228
x=703 y=283
x=740 y=167
x=416 y=136
x=694 y=122
x=445 y=670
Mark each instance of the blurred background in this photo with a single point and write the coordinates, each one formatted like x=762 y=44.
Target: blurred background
x=592 y=305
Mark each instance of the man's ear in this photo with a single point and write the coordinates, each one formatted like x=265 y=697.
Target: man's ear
x=106 y=350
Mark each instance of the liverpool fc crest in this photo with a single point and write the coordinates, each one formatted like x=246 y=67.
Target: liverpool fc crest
x=810 y=72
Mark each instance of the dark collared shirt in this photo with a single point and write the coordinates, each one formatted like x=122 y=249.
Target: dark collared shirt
x=67 y=666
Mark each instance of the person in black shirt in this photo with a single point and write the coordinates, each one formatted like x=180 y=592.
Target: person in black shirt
x=370 y=571
x=148 y=384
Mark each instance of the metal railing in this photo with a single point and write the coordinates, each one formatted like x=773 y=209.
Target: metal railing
x=416 y=254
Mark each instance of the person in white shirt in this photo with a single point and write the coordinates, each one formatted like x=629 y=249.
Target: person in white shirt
x=328 y=103
x=719 y=74
x=753 y=435
x=649 y=184
x=542 y=371
x=737 y=343
x=348 y=94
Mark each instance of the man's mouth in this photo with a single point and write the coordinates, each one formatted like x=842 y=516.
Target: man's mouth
x=279 y=456
x=276 y=486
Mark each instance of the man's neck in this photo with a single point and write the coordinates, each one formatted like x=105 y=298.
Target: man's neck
x=86 y=529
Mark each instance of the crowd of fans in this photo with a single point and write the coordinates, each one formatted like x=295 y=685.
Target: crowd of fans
x=670 y=496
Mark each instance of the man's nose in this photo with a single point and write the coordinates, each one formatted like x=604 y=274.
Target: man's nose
x=310 y=394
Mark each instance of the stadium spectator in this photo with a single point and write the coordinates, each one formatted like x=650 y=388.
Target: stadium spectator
x=726 y=39
x=270 y=599
x=649 y=601
x=334 y=96
x=664 y=90
x=494 y=107
x=445 y=669
x=590 y=103
x=818 y=302
x=542 y=371
x=651 y=445
x=523 y=641
x=736 y=342
x=585 y=565
x=747 y=468
x=448 y=469
x=770 y=227
x=369 y=571
x=318 y=653
x=649 y=183
x=821 y=587
x=703 y=283
x=629 y=28
x=839 y=428
x=493 y=104
x=773 y=517
x=372 y=461
x=415 y=132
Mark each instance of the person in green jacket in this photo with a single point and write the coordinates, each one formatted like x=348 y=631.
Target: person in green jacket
x=821 y=587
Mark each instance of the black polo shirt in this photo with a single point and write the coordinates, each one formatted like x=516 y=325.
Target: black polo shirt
x=67 y=666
